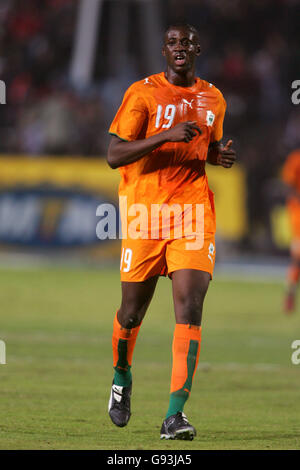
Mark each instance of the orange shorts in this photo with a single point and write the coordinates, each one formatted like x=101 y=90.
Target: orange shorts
x=144 y=258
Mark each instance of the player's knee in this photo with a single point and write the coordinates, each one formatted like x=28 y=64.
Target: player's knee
x=131 y=315
x=190 y=310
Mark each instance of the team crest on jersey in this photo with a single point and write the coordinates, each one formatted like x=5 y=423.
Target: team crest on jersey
x=147 y=81
x=210 y=117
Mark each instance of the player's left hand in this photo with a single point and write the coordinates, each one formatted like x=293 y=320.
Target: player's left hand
x=226 y=155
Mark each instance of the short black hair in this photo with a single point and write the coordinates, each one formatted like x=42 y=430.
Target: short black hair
x=184 y=25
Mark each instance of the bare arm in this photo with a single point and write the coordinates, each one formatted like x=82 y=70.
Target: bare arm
x=121 y=153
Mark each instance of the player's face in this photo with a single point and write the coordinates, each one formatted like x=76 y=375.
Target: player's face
x=180 y=49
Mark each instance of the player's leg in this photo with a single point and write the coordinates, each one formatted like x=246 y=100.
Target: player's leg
x=293 y=276
x=142 y=261
x=293 y=273
x=189 y=290
x=192 y=269
x=136 y=297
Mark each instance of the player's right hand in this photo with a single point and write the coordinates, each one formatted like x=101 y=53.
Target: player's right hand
x=183 y=132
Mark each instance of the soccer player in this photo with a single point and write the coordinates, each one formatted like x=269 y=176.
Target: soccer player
x=291 y=177
x=167 y=126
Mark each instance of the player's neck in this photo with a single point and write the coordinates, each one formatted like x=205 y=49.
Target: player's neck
x=183 y=80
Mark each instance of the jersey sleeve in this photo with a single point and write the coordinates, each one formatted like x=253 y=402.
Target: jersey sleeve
x=131 y=116
x=217 y=131
x=291 y=169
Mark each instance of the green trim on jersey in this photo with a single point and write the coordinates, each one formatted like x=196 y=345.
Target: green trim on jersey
x=116 y=135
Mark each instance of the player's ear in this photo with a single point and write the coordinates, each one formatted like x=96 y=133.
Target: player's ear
x=198 y=49
x=163 y=51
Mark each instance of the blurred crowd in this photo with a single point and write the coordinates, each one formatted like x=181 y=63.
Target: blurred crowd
x=44 y=114
x=250 y=50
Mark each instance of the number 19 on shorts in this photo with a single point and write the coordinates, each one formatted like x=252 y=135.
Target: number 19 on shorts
x=126 y=257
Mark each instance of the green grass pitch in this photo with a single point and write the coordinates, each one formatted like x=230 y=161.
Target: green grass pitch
x=57 y=326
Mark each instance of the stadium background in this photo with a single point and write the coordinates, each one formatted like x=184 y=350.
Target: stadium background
x=66 y=65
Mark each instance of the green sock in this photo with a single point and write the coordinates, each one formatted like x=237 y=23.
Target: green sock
x=179 y=397
x=123 y=376
x=177 y=402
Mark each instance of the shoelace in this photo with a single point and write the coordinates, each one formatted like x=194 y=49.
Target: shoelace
x=183 y=417
x=123 y=402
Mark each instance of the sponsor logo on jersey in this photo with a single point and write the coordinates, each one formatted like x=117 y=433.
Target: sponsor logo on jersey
x=189 y=103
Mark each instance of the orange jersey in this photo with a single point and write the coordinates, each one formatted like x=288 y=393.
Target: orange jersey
x=291 y=170
x=291 y=176
x=174 y=173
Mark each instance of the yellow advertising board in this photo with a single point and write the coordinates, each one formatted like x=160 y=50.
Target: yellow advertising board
x=229 y=187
